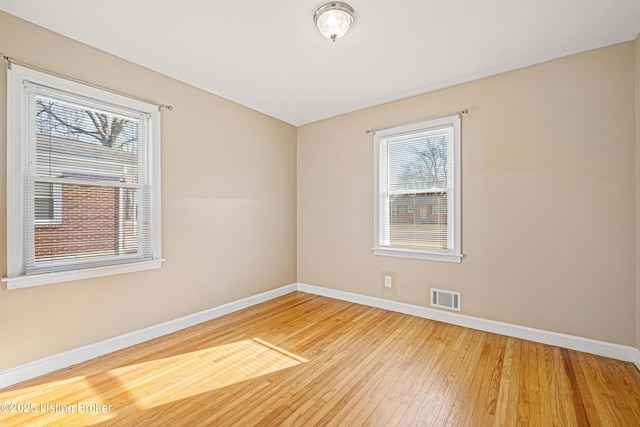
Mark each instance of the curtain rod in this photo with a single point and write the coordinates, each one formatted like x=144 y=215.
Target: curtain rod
x=457 y=113
x=11 y=60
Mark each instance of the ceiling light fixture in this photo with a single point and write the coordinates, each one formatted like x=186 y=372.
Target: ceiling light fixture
x=334 y=19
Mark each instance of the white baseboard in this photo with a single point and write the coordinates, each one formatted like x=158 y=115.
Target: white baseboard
x=587 y=345
x=17 y=374
x=52 y=363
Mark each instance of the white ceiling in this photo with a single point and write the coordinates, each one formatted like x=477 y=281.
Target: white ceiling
x=269 y=56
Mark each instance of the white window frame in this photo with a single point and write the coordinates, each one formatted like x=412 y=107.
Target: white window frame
x=16 y=143
x=381 y=232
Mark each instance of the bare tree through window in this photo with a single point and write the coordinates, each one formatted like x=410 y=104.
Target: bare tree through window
x=418 y=180
x=83 y=145
x=58 y=119
x=428 y=167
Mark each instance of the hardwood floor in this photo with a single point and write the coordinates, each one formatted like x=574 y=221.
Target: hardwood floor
x=306 y=360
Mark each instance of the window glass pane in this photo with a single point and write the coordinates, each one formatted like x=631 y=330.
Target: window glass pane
x=89 y=184
x=420 y=162
x=413 y=222
x=44 y=201
x=72 y=140
x=93 y=225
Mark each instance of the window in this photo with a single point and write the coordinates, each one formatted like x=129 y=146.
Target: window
x=82 y=181
x=418 y=165
x=48 y=203
x=439 y=209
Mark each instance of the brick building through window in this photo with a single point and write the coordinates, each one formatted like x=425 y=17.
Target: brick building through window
x=91 y=220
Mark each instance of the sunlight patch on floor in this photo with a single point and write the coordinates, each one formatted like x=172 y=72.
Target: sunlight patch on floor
x=158 y=381
x=212 y=368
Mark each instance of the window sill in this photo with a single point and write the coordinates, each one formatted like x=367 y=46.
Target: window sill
x=88 y=273
x=417 y=254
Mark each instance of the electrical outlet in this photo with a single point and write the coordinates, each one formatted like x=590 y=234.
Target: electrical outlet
x=388 y=281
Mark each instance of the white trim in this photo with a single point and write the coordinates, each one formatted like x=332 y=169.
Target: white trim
x=52 y=363
x=14 y=173
x=417 y=254
x=381 y=221
x=85 y=273
x=58 y=361
x=572 y=342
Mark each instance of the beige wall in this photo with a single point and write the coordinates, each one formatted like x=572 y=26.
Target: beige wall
x=228 y=209
x=548 y=202
x=548 y=198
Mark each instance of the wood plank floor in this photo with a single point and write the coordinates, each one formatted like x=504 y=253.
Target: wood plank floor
x=305 y=360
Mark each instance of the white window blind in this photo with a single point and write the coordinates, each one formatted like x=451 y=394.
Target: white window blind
x=417 y=190
x=84 y=182
x=47 y=203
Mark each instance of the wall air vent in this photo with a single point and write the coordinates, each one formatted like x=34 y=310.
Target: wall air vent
x=445 y=299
